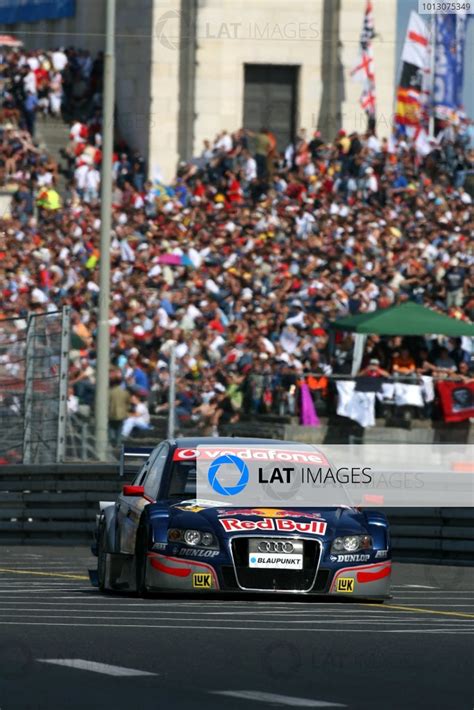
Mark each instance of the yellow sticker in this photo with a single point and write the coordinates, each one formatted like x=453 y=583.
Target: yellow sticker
x=345 y=584
x=191 y=508
x=202 y=581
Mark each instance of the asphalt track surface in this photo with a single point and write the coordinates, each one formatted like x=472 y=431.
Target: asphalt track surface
x=64 y=645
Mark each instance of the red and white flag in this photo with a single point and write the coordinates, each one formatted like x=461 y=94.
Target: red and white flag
x=364 y=71
x=416 y=49
x=414 y=90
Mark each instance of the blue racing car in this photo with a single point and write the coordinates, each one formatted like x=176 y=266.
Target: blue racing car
x=158 y=537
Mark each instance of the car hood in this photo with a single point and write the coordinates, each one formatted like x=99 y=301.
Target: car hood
x=232 y=520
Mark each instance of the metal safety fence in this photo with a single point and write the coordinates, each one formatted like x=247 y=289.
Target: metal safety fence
x=33 y=387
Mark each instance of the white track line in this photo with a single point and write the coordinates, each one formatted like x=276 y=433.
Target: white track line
x=83 y=665
x=87 y=614
x=19 y=590
x=275 y=699
x=430 y=590
x=239 y=628
x=414 y=586
x=43 y=607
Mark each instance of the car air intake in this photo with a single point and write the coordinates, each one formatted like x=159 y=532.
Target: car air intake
x=300 y=580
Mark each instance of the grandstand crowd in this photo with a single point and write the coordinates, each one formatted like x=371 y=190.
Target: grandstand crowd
x=241 y=263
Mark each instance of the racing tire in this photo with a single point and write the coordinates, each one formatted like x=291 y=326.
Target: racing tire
x=140 y=560
x=101 y=558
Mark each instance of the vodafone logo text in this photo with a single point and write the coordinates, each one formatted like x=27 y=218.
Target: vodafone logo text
x=251 y=454
x=315 y=527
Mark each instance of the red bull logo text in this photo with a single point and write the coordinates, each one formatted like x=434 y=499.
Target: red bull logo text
x=314 y=527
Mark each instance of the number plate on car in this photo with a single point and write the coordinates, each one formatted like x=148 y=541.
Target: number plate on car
x=276 y=554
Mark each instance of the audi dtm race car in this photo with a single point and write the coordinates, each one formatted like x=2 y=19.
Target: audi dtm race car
x=158 y=536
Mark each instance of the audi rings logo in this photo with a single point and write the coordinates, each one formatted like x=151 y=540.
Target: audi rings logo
x=227 y=490
x=275 y=546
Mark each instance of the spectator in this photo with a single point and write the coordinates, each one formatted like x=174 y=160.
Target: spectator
x=242 y=262
x=403 y=363
x=139 y=418
x=263 y=148
x=374 y=369
x=444 y=363
x=454 y=278
x=30 y=107
x=119 y=406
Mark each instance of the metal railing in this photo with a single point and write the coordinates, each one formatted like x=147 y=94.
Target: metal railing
x=33 y=387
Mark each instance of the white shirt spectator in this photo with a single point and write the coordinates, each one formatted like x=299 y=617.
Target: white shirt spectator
x=374 y=144
x=371 y=183
x=250 y=169
x=223 y=144
x=72 y=404
x=59 y=60
x=33 y=63
x=92 y=179
x=38 y=296
x=44 y=179
x=80 y=176
x=29 y=82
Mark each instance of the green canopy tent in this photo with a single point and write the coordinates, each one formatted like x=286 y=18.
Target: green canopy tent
x=407 y=319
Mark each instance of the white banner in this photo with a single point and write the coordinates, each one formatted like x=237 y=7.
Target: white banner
x=373 y=475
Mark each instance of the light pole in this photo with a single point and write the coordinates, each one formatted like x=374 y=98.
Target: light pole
x=103 y=335
x=172 y=393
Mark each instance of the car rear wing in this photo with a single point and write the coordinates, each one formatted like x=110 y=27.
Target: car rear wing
x=137 y=453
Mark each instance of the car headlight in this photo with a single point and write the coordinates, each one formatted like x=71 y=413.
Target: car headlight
x=192 y=537
x=352 y=543
x=207 y=539
x=195 y=538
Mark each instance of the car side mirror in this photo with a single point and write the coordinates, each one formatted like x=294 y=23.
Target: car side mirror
x=128 y=490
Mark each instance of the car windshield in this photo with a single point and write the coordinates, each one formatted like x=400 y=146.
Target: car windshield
x=182 y=482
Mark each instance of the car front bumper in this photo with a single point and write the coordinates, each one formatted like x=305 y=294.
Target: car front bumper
x=169 y=573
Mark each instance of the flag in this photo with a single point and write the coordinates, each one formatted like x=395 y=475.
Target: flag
x=422 y=142
x=461 y=25
x=308 y=414
x=359 y=406
x=457 y=400
x=411 y=99
x=364 y=71
x=416 y=47
x=449 y=65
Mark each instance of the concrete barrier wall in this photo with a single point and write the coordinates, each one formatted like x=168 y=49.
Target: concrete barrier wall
x=57 y=505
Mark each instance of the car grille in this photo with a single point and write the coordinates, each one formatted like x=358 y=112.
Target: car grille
x=275 y=579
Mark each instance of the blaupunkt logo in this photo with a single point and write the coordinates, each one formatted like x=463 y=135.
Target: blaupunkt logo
x=226 y=490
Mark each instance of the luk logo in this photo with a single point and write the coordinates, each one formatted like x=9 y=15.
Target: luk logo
x=345 y=584
x=226 y=489
x=202 y=581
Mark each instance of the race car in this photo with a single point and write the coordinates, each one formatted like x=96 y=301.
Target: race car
x=159 y=537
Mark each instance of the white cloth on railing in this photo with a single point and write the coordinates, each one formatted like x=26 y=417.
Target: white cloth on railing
x=402 y=394
x=427 y=388
x=359 y=406
x=408 y=395
x=388 y=391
